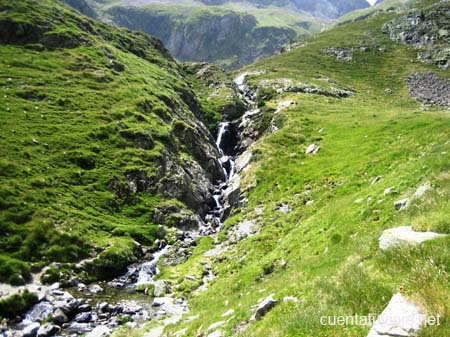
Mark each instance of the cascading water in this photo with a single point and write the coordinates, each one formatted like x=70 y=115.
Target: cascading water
x=228 y=166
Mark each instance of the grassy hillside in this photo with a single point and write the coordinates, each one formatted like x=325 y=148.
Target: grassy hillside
x=329 y=239
x=93 y=120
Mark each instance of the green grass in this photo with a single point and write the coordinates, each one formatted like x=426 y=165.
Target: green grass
x=78 y=121
x=334 y=265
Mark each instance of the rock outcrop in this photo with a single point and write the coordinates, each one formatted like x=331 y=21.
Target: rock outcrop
x=427 y=30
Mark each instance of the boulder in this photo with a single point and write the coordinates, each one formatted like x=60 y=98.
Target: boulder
x=263 y=308
x=400 y=318
x=95 y=289
x=83 y=317
x=59 y=317
x=31 y=330
x=48 y=330
x=404 y=235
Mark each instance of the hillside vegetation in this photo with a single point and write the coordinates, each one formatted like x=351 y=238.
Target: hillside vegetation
x=94 y=122
x=322 y=248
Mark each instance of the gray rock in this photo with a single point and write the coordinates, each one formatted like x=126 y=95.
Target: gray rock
x=389 y=190
x=404 y=235
x=100 y=331
x=48 y=330
x=162 y=288
x=217 y=333
x=59 y=317
x=83 y=317
x=216 y=325
x=263 y=308
x=400 y=318
x=31 y=330
x=95 y=289
x=312 y=149
x=401 y=204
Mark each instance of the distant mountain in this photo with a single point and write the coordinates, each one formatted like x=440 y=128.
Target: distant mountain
x=231 y=33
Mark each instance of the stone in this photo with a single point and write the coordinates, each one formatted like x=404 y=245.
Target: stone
x=95 y=289
x=401 y=204
x=420 y=192
x=404 y=235
x=376 y=179
x=162 y=288
x=190 y=278
x=99 y=331
x=217 y=333
x=31 y=330
x=48 y=330
x=263 y=308
x=389 y=190
x=312 y=149
x=59 y=317
x=243 y=161
x=285 y=208
x=216 y=325
x=400 y=318
x=83 y=317
x=290 y=299
x=228 y=313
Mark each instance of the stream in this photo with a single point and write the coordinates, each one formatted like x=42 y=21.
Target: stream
x=108 y=305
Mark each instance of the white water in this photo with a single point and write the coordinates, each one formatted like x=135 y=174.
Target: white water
x=148 y=270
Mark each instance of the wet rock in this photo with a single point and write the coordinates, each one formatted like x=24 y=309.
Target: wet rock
x=404 y=235
x=48 y=330
x=400 y=318
x=31 y=330
x=263 y=308
x=100 y=331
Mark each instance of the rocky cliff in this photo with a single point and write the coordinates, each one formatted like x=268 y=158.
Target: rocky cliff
x=227 y=37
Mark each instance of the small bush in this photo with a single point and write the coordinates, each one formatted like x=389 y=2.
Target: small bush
x=17 y=304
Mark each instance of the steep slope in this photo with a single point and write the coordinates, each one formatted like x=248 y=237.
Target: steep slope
x=100 y=130
x=218 y=35
x=311 y=216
